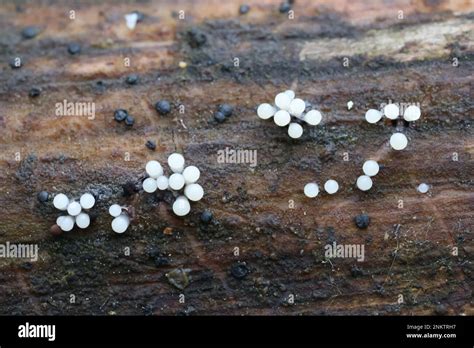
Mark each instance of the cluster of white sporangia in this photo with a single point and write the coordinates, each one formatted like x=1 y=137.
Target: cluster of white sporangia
x=311 y=189
x=398 y=141
x=121 y=219
x=286 y=107
x=183 y=178
x=370 y=168
x=74 y=210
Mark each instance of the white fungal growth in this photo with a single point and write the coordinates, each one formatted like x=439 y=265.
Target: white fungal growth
x=181 y=206
x=412 y=113
x=398 y=141
x=66 y=223
x=120 y=223
x=423 y=188
x=290 y=94
x=370 y=168
x=83 y=220
x=364 y=182
x=154 y=169
x=288 y=107
x=311 y=190
x=87 y=201
x=74 y=208
x=297 y=107
x=373 y=116
x=313 y=117
x=115 y=210
x=131 y=20
x=176 y=181
x=191 y=174
x=282 y=118
x=61 y=201
x=194 y=192
x=391 y=111
x=176 y=162
x=149 y=185
x=331 y=186
x=350 y=104
x=295 y=130
x=265 y=111
x=283 y=101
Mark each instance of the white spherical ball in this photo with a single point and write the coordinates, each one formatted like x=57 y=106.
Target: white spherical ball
x=115 y=210
x=398 y=141
x=59 y=220
x=297 y=107
x=176 y=162
x=391 y=111
x=282 y=118
x=87 y=201
x=313 y=117
x=149 y=185
x=61 y=201
x=154 y=169
x=74 y=208
x=191 y=174
x=370 y=168
x=423 y=188
x=194 y=192
x=295 y=130
x=83 y=220
x=176 y=181
x=412 y=113
x=162 y=183
x=181 y=206
x=283 y=100
x=331 y=186
x=120 y=223
x=66 y=223
x=290 y=94
x=364 y=182
x=311 y=190
x=265 y=111
x=373 y=116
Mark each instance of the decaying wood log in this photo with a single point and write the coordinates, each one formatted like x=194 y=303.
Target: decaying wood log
x=332 y=52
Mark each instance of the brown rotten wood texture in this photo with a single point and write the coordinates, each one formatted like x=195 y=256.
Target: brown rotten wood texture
x=408 y=251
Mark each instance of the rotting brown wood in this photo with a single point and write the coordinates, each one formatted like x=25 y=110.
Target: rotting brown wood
x=408 y=251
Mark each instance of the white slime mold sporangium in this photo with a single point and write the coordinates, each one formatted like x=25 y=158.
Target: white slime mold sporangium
x=295 y=130
x=265 y=111
x=87 y=201
x=181 y=206
x=423 y=188
x=297 y=107
x=282 y=118
x=391 y=111
x=61 y=201
x=176 y=162
x=370 y=168
x=120 y=223
x=313 y=117
x=149 y=185
x=364 y=182
x=115 y=210
x=331 y=186
x=191 y=174
x=162 y=183
x=373 y=116
x=154 y=169
x=283 y=101
x=194 y=192
x=311 y=190
x=74 y=208
x=398 y=141
x=83 y=220
x=176 y=181
x=412 y=113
